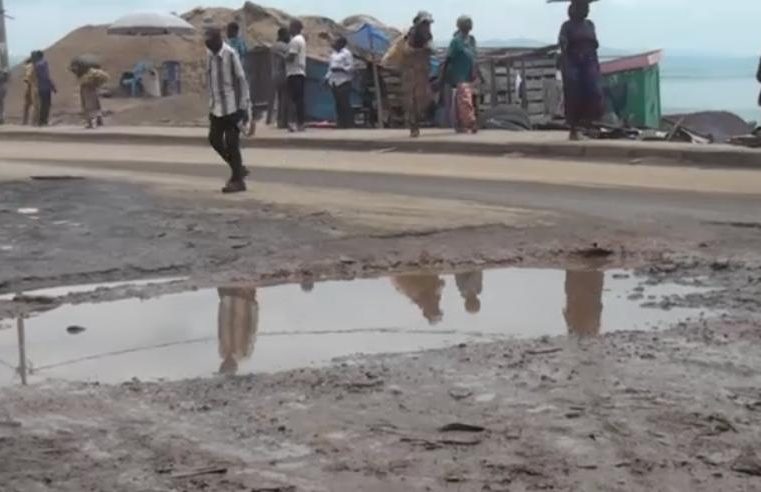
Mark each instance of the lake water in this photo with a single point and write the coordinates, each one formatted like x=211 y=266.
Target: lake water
x=696 y=83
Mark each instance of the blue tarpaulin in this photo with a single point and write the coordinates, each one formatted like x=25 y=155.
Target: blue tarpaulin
x=371 y=39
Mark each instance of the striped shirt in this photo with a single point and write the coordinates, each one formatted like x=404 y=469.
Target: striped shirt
x=228 y=88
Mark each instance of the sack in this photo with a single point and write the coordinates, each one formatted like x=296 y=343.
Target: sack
x=395 y=54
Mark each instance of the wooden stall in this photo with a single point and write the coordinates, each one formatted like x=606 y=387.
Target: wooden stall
x=525 y=77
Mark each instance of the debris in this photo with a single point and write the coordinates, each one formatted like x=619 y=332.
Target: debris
x=544 y=351
x=460 y=393
x=357 y=386
x=274 y=488
x=711 y=126
x=460 y=441
x=748 y=463
x=211 y=470
x=721 y=423
x=750 y=141
x=346 y=260
x=459 y=427
x=28 y=211
x=677 y=126
x=594 y=252
x=718 y=266
x=34 y=299
x=61 y=177
x=431 y=444
x=75 y=330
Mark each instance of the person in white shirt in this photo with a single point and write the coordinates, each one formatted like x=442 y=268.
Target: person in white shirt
x=229 y=101
x=296 y=70
x=339 y=78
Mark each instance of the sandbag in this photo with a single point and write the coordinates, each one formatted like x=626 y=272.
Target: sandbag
x=395 y=54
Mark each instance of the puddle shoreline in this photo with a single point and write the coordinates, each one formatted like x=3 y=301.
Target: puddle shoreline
x=248 y=329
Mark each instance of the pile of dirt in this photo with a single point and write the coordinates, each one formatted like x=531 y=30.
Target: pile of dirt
x=119 y=54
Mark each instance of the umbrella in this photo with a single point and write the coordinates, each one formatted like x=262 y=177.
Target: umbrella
x=150 y=24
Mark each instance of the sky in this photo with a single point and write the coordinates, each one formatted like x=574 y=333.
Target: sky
x=728 y=27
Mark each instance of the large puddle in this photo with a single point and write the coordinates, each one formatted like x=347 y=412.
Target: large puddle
x=247 y=329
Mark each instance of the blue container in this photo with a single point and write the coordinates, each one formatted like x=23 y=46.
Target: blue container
x=171 y=78
x=320 y=105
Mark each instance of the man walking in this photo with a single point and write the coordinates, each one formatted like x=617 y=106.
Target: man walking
x=229 y=100
x=296 y=69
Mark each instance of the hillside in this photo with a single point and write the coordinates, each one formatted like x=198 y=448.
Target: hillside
x=119 y=54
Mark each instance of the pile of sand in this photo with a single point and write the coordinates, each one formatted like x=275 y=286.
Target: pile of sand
x=118 y=54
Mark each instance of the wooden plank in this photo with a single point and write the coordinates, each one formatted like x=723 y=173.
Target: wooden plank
x=493 y=82
x=378 y=95
x=535 y=108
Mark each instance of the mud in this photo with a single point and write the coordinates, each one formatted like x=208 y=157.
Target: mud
x=675 y=407
x=629 y=411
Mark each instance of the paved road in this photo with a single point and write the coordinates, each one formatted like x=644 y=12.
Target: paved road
x=611 y=191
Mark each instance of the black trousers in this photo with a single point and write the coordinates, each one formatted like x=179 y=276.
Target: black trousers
x=344 y=111
x=46 y=100
x=279 y=106
x=224 y=137
x=297 y=86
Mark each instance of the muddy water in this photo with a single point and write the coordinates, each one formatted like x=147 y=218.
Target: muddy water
x=244 y=329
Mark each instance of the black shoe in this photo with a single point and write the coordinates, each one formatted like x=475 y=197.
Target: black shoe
x=237 y=186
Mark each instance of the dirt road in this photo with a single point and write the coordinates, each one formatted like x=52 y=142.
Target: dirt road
x=676 y=410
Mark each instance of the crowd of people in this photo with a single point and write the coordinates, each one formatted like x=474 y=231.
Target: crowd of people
x=457 y=81
x=39 y=89
x=230 y=111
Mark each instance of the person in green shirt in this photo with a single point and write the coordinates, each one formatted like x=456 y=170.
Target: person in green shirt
x=459 y=73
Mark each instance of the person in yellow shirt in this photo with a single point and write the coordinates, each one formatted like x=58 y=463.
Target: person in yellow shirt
x=90 y=79
x=31 y=93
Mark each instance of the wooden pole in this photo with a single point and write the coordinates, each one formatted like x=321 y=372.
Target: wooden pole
x=21 y=349
x=493 y=82
x=4 y=64
x=378 y=95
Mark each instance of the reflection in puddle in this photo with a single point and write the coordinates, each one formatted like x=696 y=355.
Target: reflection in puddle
x=244 y=329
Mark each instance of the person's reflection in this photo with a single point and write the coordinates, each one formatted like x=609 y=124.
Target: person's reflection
x=583 y=310
x=471 y=285
x=425 y=291
x=238 y=322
